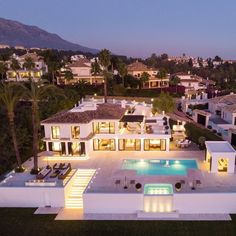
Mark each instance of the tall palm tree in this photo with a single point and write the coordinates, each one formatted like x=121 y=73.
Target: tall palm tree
x=144 y=78
x=122 y=70
x=95 y=68
x=35 y=93
x=162 y=75
x=10 y=94
x=105 y=60
x=29 y=65
x=15 y=66
x=3 y=69
x=68 y=76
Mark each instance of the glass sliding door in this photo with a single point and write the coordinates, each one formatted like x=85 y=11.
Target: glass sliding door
x=154 y=144
x=104 y=145
x=129 y=144
x=104 y=127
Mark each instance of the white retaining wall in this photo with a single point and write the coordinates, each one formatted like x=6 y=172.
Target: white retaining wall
x=112 y=202
x=31 y=197
x=205 y=203
x=182 y=202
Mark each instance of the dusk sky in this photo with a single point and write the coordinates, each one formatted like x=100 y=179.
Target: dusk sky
x=135 y=27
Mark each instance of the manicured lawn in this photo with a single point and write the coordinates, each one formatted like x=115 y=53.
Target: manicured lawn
x=21 y=222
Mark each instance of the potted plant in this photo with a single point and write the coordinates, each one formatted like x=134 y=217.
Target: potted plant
x=201 y=142
x=178 y=186
x=138 y=187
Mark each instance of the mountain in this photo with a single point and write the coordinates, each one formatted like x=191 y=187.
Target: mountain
x=14 y=33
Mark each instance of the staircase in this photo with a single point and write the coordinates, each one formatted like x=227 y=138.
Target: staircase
x=80 y=182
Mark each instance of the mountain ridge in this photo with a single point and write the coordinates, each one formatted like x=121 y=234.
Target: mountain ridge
x=15 y=33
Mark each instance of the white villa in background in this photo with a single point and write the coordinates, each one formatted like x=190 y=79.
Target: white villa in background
x=220 y=115
x=23 y=74
x=81 y=69
x=193 y=83
x=95 y=126
x=137 y=68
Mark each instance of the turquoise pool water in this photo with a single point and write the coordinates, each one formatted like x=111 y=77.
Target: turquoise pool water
x=159 y=167
x=158 y=189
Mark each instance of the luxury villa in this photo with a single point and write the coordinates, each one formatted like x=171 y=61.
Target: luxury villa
x=118 y=159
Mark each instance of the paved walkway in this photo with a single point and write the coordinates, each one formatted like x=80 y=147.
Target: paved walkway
x=77 y=214
x=70 y=214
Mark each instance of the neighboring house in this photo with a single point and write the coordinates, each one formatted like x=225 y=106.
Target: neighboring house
x=115 y=126
x=23 y=74
x=220 y=116
x=137 y=68
x=81 y=70
x=193 y=83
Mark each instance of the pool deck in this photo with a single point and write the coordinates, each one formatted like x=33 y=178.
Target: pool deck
x=108 y=166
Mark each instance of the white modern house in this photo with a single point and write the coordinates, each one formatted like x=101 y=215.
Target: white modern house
x=105 y=159
x=95 y=126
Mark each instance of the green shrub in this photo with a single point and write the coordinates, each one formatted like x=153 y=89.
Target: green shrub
x=194 y=133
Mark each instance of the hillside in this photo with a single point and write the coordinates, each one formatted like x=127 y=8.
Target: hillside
x=14 y=33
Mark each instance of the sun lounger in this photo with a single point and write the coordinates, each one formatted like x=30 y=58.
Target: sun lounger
x=132 y=181
x=63 y=173
x=198 y=182
x=117 y=182
x=44 y=172
x=55 y=174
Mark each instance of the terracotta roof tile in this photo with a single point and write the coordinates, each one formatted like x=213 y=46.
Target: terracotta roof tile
x=104 y=111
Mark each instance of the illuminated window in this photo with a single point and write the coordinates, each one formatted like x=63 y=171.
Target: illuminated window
x=104 y=127
x=75 y=132
x=129 y=144
x=154 y=144
x=104 y=145
x=55 y=132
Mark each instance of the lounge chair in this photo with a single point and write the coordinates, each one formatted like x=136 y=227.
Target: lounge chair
x=198 y=182
x=44 y=172
x=117 y=182
x=63 y=173
x=132 y=181
x=55 y=174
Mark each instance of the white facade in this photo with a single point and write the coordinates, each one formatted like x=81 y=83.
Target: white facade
x=112 y=134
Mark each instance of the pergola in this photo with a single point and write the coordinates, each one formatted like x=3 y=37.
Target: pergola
x=221 y=156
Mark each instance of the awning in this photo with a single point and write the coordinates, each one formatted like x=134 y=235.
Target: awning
x=132 y=118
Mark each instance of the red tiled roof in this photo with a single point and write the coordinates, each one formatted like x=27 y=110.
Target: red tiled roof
x=138 y=66
x=104 y=111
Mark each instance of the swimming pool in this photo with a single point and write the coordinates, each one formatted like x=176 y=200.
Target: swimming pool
x=159 y=167
x=158 y=189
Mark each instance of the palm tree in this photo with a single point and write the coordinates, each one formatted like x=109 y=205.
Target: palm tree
x=35 y=93
x=162 y=75
x=105 y=60
x=29 y=65
x=3 y=69
x=144 y=78
x=95 y=68
x=175 y=81
x=122 y=70
x=10 y=94
x=68 y=75
x=15 y=66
